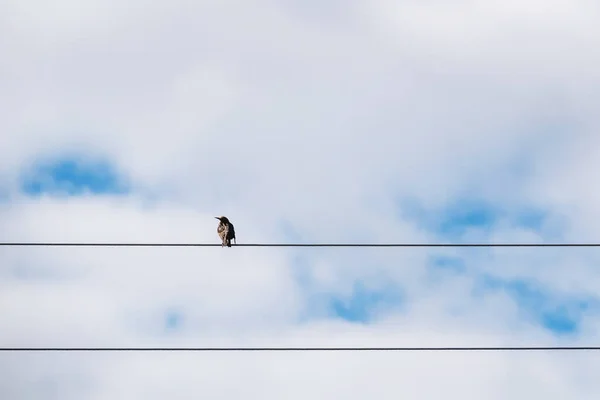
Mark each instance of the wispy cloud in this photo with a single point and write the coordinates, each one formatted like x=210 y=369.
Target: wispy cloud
x=369 y=121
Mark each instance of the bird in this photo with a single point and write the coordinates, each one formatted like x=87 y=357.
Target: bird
x=226 y=231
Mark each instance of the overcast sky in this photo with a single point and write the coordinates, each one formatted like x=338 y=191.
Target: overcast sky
x=302 y=121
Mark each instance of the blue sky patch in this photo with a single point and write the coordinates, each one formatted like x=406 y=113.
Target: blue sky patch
x=559 y=321
x=452 y=220
x=447 y=263
x=531 y=218
x=361 y=305
x=555 y=312
x=73 y=176
x=364 y=303
x=465 y=214
x=173 y=320
x=459 y=216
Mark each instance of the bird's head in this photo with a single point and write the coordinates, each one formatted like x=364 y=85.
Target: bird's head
x=223 y=219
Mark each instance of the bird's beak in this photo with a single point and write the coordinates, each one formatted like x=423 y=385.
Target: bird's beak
x=218 y=217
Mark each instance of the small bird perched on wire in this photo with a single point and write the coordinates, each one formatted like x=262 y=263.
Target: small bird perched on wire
x=226 y=231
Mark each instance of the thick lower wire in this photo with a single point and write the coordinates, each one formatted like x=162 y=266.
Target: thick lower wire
x=89 y=244
x=298 y=349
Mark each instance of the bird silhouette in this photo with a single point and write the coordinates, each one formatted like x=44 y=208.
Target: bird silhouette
x=226 y=231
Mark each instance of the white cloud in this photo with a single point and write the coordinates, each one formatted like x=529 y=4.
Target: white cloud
x=328 y=119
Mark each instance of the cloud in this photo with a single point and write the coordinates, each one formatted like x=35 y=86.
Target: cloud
x=343 y=122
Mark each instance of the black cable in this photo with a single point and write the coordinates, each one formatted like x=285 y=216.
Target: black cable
x=287 y=349
x=66 y=244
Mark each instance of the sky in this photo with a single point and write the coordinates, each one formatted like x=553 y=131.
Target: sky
x=304 y=122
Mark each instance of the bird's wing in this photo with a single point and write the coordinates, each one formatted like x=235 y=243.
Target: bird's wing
x=222 y=230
